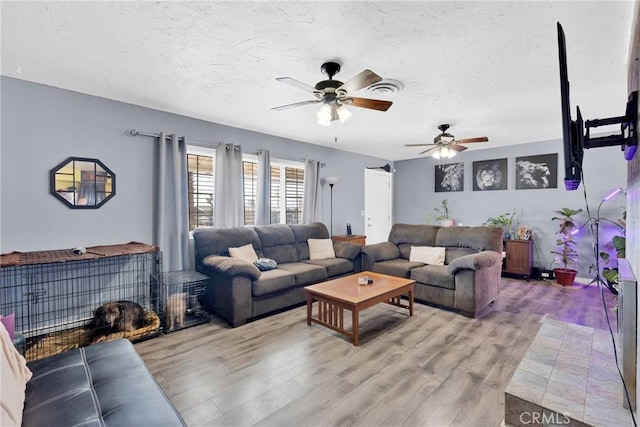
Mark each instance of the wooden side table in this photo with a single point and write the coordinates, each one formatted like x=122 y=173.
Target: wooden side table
x=519 y=257
x=353 y=238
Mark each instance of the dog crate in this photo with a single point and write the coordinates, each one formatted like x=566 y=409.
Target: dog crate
x=181 y=297
x=54 y=294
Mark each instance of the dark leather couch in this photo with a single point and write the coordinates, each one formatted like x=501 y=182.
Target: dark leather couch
x=239 y=291
x=105 y=384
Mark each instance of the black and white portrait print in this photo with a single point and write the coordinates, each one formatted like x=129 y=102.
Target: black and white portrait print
x=490 y=175
x=535 y=172
x=449 y=177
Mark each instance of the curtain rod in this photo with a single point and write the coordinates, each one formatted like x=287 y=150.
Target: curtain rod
x=134 y=132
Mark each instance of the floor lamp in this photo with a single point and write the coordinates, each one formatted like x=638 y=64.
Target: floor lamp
x=331 y=180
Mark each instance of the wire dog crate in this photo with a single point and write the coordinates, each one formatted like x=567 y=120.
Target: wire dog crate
x=180 y=301
x=54 y=294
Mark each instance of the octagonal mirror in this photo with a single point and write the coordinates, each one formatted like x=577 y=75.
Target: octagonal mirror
x=82 y=183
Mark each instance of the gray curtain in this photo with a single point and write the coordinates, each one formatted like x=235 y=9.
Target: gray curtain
x=310 y=195
x=263 y=188
x=172 y=210
x=229 y=194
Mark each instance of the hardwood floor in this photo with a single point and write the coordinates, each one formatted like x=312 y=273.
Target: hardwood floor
x=436 y=368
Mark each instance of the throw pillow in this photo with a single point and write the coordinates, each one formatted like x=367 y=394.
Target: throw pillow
x=321 y=249
x=14 y=374
x=427 y=255
x=265 y=264
x=245 y=252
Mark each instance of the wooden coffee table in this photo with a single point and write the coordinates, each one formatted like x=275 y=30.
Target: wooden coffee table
x=334 y=296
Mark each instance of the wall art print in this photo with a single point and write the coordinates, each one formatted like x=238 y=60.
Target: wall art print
x=490 y=175
x=536 y=172
x=449 y=177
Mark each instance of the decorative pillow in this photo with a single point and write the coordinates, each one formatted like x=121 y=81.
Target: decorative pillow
x=245 y=252
x=14 y=374
x=265 y=264
x=427 y=255
x=321 y=249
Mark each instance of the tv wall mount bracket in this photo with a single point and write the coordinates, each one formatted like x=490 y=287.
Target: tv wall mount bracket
x=628 y=136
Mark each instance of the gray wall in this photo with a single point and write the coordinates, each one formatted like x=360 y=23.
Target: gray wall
x=604 y=170
x=42 y=126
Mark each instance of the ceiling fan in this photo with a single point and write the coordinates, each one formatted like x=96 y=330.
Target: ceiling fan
x=445 y=144
x=334 y=95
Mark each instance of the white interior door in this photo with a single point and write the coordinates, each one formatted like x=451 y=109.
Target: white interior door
x=378 y=203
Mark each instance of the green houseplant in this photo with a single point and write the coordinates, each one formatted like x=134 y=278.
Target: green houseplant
x=504 y=221
x=617 y=244
x=565 y=276
x=441 y=214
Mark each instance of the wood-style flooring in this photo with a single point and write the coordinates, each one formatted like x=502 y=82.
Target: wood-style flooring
x=436 y=368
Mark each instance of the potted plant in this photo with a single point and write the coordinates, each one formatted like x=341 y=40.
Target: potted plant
x=565 y=276
x=442 y=214
x=504 y=221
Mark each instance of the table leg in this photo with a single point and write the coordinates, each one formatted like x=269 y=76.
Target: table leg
x=309 y=306
x=411 y=302
x=354 y=321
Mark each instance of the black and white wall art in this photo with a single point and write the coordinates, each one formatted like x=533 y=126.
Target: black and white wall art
x=535 y=172
x=490 y=175
x=449 y=177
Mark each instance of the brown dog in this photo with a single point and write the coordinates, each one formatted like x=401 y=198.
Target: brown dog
x=117 y=316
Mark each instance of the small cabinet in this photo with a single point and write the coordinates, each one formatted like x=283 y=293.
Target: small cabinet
x=518 y=257
x=354 y=238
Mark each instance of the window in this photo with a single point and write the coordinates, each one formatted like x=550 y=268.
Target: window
x=200 y=182
x=287 y=188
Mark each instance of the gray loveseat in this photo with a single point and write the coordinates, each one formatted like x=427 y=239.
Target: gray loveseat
x=468 y=281
x=239 y=291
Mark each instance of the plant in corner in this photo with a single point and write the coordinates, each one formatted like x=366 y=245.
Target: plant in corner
x=618 y=244
x=441 y=214
x=566 y=246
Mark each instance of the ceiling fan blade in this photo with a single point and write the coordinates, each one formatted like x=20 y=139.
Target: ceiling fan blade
x=457 y=148
x=373 y=104
x=426 y=151
x=364 y=79
x=417 y=145
x=470 y=140
x=296 y=104
x=296 y=83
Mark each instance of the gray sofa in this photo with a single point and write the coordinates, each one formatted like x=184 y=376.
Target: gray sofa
x=468 y=281
x=238 y=291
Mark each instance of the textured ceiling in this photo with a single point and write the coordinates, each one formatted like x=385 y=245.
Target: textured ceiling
x=488 y=68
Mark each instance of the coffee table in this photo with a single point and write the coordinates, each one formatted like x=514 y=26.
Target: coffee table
x=334 y=296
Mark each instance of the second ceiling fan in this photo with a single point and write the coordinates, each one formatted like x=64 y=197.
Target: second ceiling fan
x=446 y=145
x=334 y=94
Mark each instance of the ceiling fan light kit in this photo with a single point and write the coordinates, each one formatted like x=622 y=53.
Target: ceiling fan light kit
x=445 y=145
x=334 y=95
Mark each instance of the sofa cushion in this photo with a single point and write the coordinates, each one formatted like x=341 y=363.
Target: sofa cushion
x=348 y=250
x=272 y=281
x=217 y=241
x=246 y=253
x=396 y=267
x=334 y=266
x=304 y=232
x=434 y=275
x=478 y=238
x=453 y=253
x=382 y=251
x=277 y=242
x=427 y=255
x=305 y=273
x=414 y=234
x=104 y=384
x=230 y=266
x=321 y=249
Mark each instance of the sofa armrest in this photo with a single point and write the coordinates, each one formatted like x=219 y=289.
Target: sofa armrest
x=382 y=251
x=347 y=250
x=231 y=266
x=479 y=261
